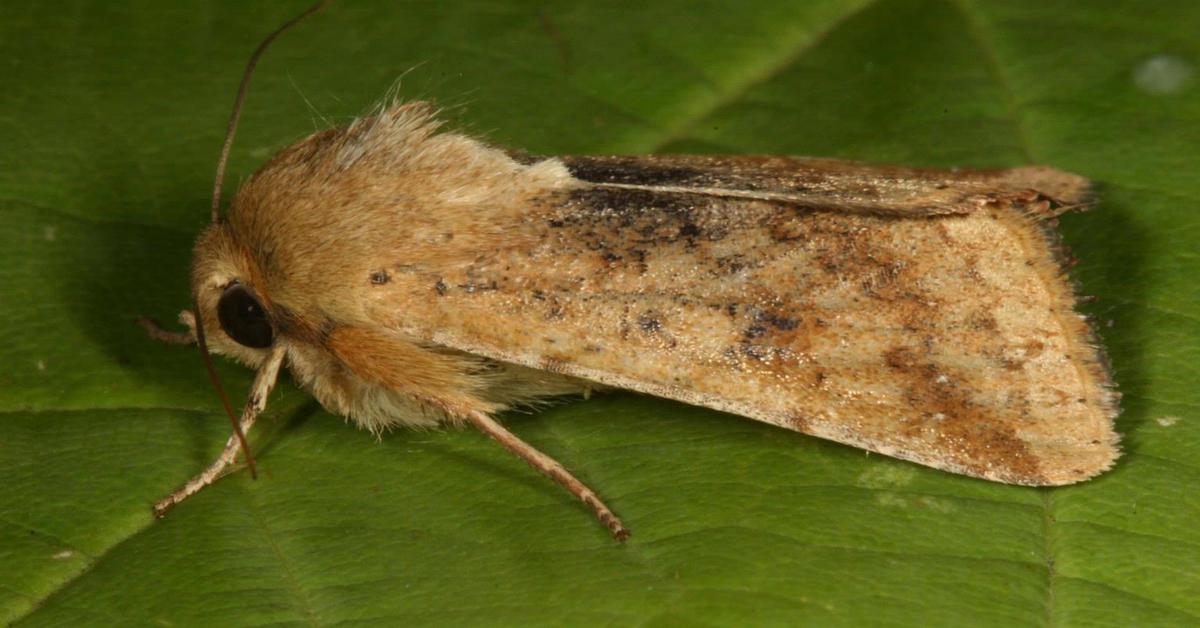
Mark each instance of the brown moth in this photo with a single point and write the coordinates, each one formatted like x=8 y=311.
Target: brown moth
x=411 y=276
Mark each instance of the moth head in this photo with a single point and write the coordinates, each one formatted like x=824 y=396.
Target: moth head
x=232 y=302
x=223 y=291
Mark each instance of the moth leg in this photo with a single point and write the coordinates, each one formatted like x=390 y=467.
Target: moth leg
x=156 y=331
x=552 y=468
x=206 y=477
x=264 y=381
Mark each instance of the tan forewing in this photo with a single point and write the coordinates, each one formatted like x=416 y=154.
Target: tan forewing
x=921 y=314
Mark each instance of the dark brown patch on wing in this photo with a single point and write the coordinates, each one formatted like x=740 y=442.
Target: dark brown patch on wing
x=974 y=436
x=625 y=229
x=630 y=171
x=650 y=322
x=650 y=217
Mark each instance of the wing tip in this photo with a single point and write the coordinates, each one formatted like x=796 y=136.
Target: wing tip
x=1067 y=189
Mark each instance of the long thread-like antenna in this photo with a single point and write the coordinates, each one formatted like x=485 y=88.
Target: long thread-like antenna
x=241 y=97
x=216 y=218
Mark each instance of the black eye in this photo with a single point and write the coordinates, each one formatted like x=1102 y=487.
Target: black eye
x=243 y=318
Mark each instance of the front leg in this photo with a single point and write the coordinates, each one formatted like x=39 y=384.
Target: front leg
x=264 y=381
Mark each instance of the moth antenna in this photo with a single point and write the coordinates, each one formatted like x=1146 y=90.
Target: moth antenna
x=231 y=130
x=216 y=384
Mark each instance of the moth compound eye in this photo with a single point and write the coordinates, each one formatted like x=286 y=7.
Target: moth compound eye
x=243 y=317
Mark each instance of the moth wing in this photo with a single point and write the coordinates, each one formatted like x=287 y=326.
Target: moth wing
x=921 y=314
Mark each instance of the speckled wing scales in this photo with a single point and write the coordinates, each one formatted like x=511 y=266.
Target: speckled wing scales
x=922 y=314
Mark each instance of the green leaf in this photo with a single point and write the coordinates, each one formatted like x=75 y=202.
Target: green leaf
x=110 y=124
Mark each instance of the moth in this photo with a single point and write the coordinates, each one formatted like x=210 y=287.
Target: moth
x=407 y=275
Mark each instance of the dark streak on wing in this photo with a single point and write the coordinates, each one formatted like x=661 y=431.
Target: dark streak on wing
x=815 y=183
x=759 y=172
x=636 y=171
